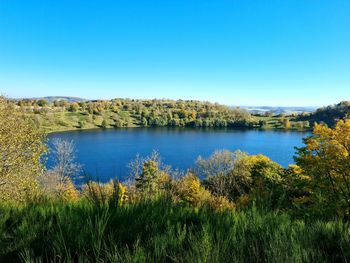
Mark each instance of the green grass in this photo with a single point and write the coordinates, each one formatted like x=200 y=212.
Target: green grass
x=66 y=121
x=276 y=123
x=159 y=231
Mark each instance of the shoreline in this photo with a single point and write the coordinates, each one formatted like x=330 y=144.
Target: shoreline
x=170 y=127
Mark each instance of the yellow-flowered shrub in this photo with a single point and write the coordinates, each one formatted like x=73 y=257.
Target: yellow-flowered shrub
x=111 y=191
x=69 y=192
x=267 y=188
x=190 y=190
x=243 y=200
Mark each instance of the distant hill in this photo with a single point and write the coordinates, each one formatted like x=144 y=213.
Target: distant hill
x=278 y=110
x=329 y=114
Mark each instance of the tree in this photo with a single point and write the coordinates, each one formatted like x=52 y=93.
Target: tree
x=146 y=183
x=144 y=122
x=227 y=173
x=64 y=158
x=118 y=121
x=90 y=107
x=306 y=124
x=328 y=115
x=198 y=123
x=326 y=159
x=267 y=187
x=58 y=181
x=104 y=124
x=151 y=178
x=268 y=114
x=221 y=162
x=73 y=107
x=22 y=145
x=286 y=124
x=81 y=124
x=42 y=103
x=300 y=125
x=262 y=123
x=238 y=176
x=190 y=190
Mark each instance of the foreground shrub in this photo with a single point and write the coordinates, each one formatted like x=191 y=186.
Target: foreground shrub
x=52 y=185
x=21 y=148
x=189 y=190
x=244 y=179
x=268 y=182
x=113 y=191
x=235 y=177
x=149 y=177
x=326 y=160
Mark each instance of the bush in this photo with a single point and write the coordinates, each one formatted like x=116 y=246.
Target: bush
x=268 y=182
x=55 y=187
x=234 y=177
x=112 y=191
x=325 y=160
x=190 y=190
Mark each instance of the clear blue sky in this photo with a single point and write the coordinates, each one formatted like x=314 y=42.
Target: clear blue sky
x=239 y=52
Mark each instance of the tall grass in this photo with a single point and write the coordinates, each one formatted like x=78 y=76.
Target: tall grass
x=159 y=231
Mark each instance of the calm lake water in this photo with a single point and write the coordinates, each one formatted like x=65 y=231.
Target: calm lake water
x=107 y=153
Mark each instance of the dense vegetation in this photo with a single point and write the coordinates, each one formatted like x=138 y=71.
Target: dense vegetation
x=159 y=231
x=128 y=113
x=228 y=207
x=328 y=115
x=63 y=115
x=21 y=147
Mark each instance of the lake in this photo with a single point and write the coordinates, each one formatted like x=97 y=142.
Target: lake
x=106 y=153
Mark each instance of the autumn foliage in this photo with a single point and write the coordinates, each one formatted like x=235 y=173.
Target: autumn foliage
x=325 y=161
x=230 y=206
x=22 y=145
x=317 y=185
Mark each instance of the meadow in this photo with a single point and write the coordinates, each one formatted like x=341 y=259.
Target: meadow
x=65 y=116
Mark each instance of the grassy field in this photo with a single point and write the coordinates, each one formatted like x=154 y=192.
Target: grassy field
x=66 y=121
x=159 y=231
x=277 y=123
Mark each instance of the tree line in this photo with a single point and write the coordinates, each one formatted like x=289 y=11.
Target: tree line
x=328 y=115
x=145 y=113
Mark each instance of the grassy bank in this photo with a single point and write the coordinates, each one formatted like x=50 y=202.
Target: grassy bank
x=64 y=116
x=159 y=231
x=70 y=121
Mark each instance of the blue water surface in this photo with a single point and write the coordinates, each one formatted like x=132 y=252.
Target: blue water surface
x=106 y=154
